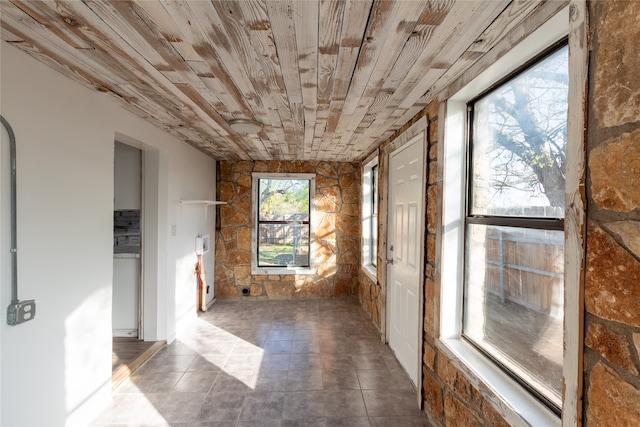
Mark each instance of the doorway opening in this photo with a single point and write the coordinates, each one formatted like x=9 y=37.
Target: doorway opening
x=129 y=349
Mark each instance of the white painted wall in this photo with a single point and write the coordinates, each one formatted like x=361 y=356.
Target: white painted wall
x=56 y=369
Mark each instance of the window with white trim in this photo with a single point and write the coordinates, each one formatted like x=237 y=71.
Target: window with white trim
x=370 y=217
x=502 y=254
x=282 y=232
x=514 y=224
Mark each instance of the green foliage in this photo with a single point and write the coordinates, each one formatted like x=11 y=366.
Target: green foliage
x=283 y=199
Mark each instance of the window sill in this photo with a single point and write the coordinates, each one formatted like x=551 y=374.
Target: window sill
x=371 y=273
x=283 y=270
x=514 y=403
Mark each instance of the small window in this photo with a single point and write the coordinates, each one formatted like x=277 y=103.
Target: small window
x=370 y=217
x=282 y=233
x=514 y=232
x=374 y=215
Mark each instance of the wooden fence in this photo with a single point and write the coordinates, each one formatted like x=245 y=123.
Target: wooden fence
x=525 y=267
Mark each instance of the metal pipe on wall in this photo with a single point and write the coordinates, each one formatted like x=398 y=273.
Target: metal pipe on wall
x=18 y=311
x=14 y=232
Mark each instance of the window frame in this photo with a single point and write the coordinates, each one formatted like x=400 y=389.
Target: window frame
x=255 y=203
x=370 y=202
x=521 y=222
x=516 y=404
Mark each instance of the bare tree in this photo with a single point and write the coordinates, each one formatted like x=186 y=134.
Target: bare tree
x=528 y=119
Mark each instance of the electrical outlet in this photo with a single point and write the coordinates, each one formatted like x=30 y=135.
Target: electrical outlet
x=21 y=312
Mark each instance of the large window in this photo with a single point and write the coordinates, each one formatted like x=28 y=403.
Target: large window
x=514 y=283
x=282 y=233
x=509 y=267
x=370 y=217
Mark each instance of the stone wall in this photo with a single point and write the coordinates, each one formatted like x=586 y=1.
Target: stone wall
x=612 y=282
x=337 y=243
x=370 y=298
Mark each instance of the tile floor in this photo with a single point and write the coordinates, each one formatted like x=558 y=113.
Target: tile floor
x=271 y=363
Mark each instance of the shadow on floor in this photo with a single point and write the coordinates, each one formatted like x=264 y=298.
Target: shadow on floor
x=271 y=363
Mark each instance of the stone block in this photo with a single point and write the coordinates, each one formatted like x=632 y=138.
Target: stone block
x=244 y=166
x=243 y=204
x=261 y=166
x=342 y=288
x=491 y=416
x=433 y=133
x=615 y=173
x=256 y=290
x=228 y=233
x=226 y=170
x=226 y=191
x=429 y=270
x=230 y=245
x=238 y=257
x=326 y=169
x=612 y=401
x=242 y=275
x=612 y=290
x=347 y=224
x=326 y=225
x=349 y=257
x=326 y=268
x=455 y=379
x=352 y=209
x=431 y=248
x=433 y=155
x=222 y=273
x=232 y=217
x=244 y=238
x=429 y=307
x=432 y=110
x=612 y=346
x=300 y=167
x=324 y=250
x=433 y=402
x=458 y=414
x=433 y=175
x=346 y=180
x=280 y=289
x=617 y=66
x=351 y=194
x=332 y=194
x=629 y=233
x=315 y=289
x=242 y=179
x=221 y=252
x=325 y=181
x=277 y=166
x=345 y=242
x=429 y=356
x=225 y=289
x=345 y=168
x=432 y=209
x=326 y=204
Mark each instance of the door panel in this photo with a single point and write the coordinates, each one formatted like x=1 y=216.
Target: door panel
x=406 y=192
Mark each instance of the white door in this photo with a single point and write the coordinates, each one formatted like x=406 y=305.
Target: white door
x=405 y=252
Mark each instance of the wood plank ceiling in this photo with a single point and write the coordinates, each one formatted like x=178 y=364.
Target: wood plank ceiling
x=329 y=79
